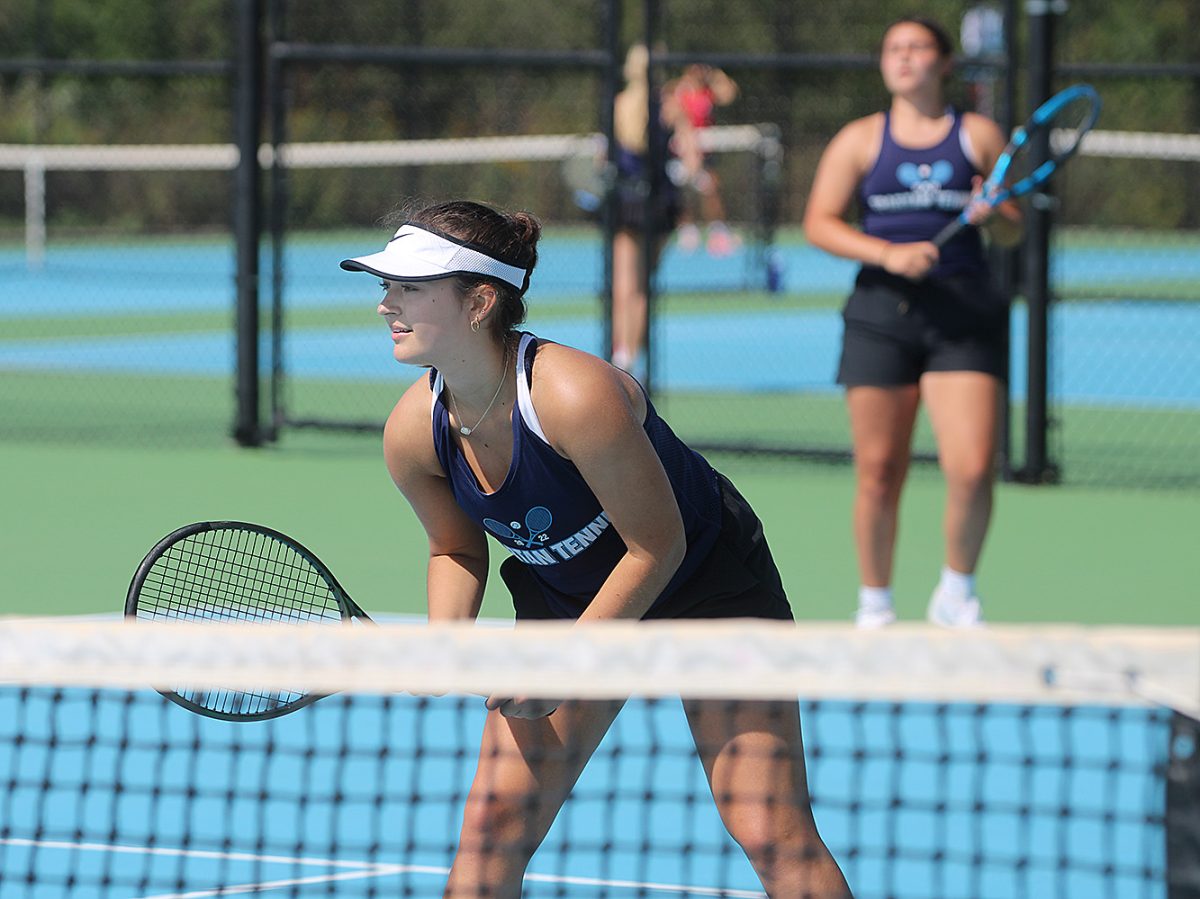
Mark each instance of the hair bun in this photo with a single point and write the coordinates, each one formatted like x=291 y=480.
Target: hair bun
x=529 y=229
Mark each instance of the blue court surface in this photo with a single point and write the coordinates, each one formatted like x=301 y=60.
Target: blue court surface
x=1142 y=353
x=915 y=801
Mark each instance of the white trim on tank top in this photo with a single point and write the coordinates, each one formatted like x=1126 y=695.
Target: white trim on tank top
x=439 y=384
x=524 y=401
x=964 y=142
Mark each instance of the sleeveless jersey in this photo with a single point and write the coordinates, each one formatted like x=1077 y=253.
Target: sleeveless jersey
x=911 y=194
x=545 y=514
x=698 y=104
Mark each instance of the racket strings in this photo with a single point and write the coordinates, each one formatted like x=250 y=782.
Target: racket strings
x=236 y=575
x=1069 y=126
x=1051 y=139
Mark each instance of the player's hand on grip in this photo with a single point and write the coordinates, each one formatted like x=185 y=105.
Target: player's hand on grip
x=522 y=706
x=909 y=260
x=980 y=207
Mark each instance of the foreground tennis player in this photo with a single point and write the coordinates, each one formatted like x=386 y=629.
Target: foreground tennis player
x=606 y=514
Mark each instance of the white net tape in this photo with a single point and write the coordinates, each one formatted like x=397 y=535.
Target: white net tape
x=1061 y=665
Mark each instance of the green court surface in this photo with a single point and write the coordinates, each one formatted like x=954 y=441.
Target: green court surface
x=77 y=520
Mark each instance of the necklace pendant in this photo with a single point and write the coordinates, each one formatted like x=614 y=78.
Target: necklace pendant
x=465 y=431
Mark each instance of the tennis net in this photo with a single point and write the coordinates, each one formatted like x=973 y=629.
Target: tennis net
x=468 y=166
x=1052 y=761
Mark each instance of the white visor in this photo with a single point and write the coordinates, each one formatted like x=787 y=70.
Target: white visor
x=415 y=254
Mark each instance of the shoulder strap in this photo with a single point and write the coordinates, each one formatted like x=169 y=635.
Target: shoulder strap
x=525 y=354
x=436 y=383
x=964 y=142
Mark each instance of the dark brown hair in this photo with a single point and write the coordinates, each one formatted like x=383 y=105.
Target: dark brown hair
x=511 y=238
x=940 y=36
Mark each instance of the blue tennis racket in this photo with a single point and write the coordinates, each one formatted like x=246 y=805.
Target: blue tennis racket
x=1036 y=150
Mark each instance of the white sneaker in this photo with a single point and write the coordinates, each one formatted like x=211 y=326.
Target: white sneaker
x=949 y=610
x=874 y=616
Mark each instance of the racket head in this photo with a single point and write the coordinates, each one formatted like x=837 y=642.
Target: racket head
x=584 y=175
x=213 y=571
x=1050 y=137
x=537 y=519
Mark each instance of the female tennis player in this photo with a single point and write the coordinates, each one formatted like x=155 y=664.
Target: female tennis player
x=922 y=323
x=670 y=140
x=561 y=458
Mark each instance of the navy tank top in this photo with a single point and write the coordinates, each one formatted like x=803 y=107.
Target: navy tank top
x=910 y=194
x=546 y=515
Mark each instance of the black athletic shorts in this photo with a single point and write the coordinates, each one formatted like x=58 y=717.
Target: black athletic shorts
x=738 y=579
x=632 y=206
x=897 y=329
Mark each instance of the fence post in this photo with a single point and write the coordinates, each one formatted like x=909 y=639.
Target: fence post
x=247 y=429
x=35 y=213
x=609 y=207
x=1038 y=468
x=1183 y=809
x=652 y=198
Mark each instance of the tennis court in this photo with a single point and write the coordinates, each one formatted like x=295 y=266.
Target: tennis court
x=362 y=794
x=1031 y=758
x=1103 y=345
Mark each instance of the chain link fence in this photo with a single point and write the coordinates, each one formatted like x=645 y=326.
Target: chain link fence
x=118 y=265
x=1124 y=383
x=433 y=101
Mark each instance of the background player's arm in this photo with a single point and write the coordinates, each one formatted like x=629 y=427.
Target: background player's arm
x=685 y=142
x=1003 y=223
x=839 y=173
x=458 y=552
x=724 y=89
x=593 y=414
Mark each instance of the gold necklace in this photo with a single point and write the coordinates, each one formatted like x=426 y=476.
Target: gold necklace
x=463 y=429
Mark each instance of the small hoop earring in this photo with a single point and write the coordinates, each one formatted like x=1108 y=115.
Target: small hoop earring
x=475 y=325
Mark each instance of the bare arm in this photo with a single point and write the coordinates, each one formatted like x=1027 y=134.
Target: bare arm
x=724 y=89
x=685 y=142
x=842 y=167
x=458 y=553
x=593 y=415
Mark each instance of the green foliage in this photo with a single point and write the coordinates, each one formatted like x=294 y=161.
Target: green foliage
x=336 y=102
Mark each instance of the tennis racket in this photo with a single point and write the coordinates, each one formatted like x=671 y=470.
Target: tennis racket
x=234 y=571
x=1036 y=150
x=584 y=174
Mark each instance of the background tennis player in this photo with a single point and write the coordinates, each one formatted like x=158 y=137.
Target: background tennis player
x=921 y=324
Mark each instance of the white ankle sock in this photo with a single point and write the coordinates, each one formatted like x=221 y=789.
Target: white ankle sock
x=874 y=597
x=956 y=583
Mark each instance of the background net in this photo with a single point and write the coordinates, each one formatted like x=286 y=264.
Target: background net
x=150 y=247
x=1011 y=762
x=1124 y=291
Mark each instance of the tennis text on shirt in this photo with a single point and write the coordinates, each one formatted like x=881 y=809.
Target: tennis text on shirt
x=564 y=549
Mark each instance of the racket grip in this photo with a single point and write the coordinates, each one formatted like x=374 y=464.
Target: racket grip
x=943 y=236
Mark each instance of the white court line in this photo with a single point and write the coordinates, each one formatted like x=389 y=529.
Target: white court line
x=189 y=853
x=264 y=886
x=362 y=870
x=638 y=885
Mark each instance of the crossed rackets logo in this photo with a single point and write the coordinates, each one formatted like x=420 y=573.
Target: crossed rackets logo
x=537 y=521
x=912 y=175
